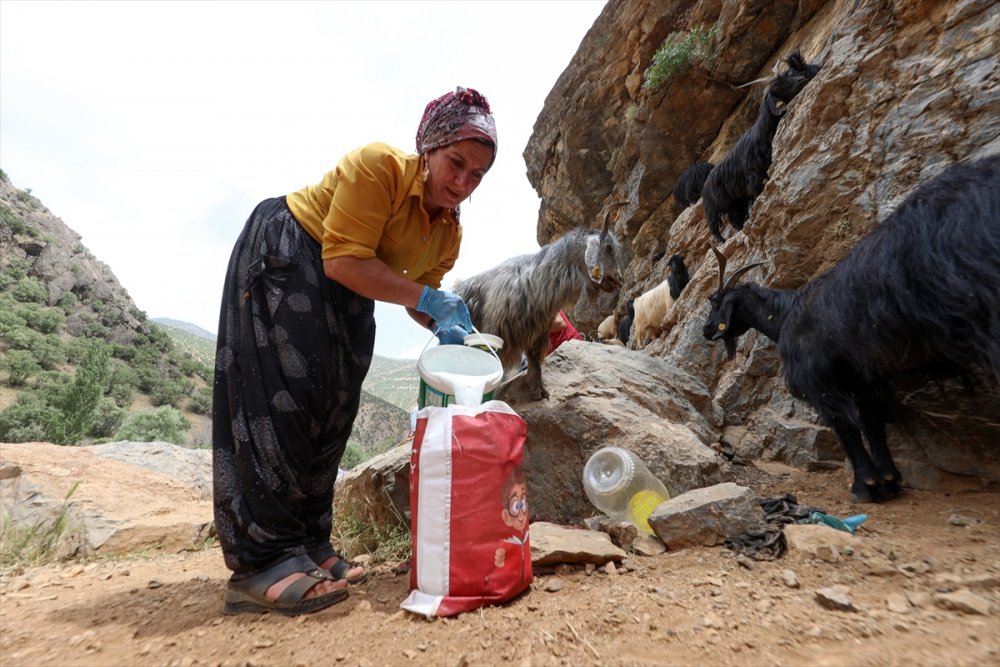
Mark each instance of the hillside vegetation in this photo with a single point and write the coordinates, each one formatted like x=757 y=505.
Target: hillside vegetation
x=81 y=364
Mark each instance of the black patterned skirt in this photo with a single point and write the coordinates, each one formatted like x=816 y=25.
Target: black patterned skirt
x=293 y=350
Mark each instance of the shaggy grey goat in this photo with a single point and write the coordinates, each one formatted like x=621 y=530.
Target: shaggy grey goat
x=687 y=189
x=519 y=298
x=736 y=181
x=920 y=292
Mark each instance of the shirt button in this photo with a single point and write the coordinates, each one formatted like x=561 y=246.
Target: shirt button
x=424 y=239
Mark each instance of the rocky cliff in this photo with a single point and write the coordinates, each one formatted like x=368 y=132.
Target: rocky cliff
x=907 y=88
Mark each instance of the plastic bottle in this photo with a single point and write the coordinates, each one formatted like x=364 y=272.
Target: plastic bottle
x=619 y=484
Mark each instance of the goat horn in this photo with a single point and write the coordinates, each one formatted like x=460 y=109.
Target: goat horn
x=722 y=267
x=750 y=83
x=607 y=214
x=736 y=276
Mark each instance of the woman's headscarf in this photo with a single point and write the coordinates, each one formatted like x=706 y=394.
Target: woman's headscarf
x=464 y=114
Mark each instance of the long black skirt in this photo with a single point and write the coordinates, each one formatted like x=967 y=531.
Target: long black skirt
x=293 y=350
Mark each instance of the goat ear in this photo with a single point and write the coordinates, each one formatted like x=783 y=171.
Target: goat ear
x=592 y=256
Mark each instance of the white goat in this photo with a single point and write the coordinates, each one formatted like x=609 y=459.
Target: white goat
x=606 y=330
x=652 y=307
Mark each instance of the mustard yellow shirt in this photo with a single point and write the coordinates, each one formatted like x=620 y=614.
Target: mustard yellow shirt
x=371 y=205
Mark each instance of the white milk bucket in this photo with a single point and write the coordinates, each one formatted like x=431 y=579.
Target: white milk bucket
x=457 y=374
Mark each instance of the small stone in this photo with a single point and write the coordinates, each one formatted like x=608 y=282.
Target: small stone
x=789 y=578
x=827 y=553
x=836 y=598
x=746 y=562
x=154 y=583
x=610 y=568
x=897 y=603
x=553 y=585
x=961 y=521
x=964 y=601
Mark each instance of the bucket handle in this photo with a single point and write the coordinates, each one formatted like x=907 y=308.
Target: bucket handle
x=491 y=349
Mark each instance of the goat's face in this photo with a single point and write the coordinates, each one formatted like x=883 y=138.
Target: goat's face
x=786 y=86
x=724 y=320
x=720 y=324
x=601 y=259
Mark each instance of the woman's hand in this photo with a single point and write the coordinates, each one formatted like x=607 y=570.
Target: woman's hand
x=446 y=309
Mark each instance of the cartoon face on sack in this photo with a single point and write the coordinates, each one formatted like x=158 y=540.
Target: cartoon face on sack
x=515 y=498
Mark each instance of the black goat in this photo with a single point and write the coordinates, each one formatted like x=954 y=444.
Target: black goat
x=687 y=189
x=625 y=326
x=921 y=291
x=738 y=179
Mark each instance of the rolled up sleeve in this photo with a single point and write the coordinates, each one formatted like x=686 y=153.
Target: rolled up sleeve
x=360 y=206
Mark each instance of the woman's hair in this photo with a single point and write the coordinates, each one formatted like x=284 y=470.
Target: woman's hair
x=463 y=114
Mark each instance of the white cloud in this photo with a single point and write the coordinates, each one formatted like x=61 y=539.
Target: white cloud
x=154 y=128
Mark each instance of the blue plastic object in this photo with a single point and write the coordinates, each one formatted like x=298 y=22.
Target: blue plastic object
x=848 y=524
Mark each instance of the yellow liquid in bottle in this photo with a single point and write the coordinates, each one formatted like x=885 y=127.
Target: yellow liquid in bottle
x=641 y=505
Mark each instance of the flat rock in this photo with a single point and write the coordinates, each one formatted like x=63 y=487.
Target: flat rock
x=552 y=544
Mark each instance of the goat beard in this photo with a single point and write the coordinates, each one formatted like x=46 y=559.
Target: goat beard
x=730 y=343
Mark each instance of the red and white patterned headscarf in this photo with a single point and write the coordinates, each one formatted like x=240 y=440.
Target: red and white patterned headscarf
x=463 y=114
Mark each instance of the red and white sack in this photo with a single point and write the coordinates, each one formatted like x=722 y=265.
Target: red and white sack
x=469 y=516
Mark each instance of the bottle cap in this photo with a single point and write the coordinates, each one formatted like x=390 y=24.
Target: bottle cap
x=608 y=470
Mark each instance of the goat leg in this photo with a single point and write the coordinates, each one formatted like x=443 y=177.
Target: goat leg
x=866 y=479
x=738 y=217
x=873 y=413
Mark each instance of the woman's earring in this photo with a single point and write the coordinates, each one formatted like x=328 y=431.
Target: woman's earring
x=427 y=172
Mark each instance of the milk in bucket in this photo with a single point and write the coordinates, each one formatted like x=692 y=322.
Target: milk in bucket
x=457 y=374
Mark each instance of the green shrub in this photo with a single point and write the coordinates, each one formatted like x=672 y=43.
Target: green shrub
x=20 y=337
x=17 y=269
x=164 y=424
x=167 y=392
x=45 y=320
x=28 y=420
x=10 y=318
x=201 y=401
x=353 y=455
x=678 y=53
x=68 y=302
x=121 y=384
x=20 y=366
x=16 y=223
x=108 y=418
x=49 y=351
x=30 y=290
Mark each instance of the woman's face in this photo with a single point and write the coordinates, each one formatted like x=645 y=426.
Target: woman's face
x=455 y=171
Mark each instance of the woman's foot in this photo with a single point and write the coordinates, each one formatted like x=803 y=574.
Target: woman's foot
x=321 y=588
x=355 y=575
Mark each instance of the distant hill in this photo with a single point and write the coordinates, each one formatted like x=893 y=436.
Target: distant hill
x=190 y=338
x=394 y=380
x=185 y=326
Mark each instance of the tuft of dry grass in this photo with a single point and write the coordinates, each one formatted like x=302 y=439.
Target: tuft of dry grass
x=24 y=546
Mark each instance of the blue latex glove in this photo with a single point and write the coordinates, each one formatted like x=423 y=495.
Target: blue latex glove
x=451 y=336
x=446 y=309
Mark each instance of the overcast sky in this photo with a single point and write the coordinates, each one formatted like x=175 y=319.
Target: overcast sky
x=152 y=129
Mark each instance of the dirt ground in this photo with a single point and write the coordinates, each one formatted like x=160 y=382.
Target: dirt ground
x=923 y=581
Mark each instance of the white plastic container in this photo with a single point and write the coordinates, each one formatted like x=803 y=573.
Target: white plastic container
x=619 y=484
x=456 y=374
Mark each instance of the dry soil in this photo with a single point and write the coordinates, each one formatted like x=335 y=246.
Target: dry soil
x=923 y=584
